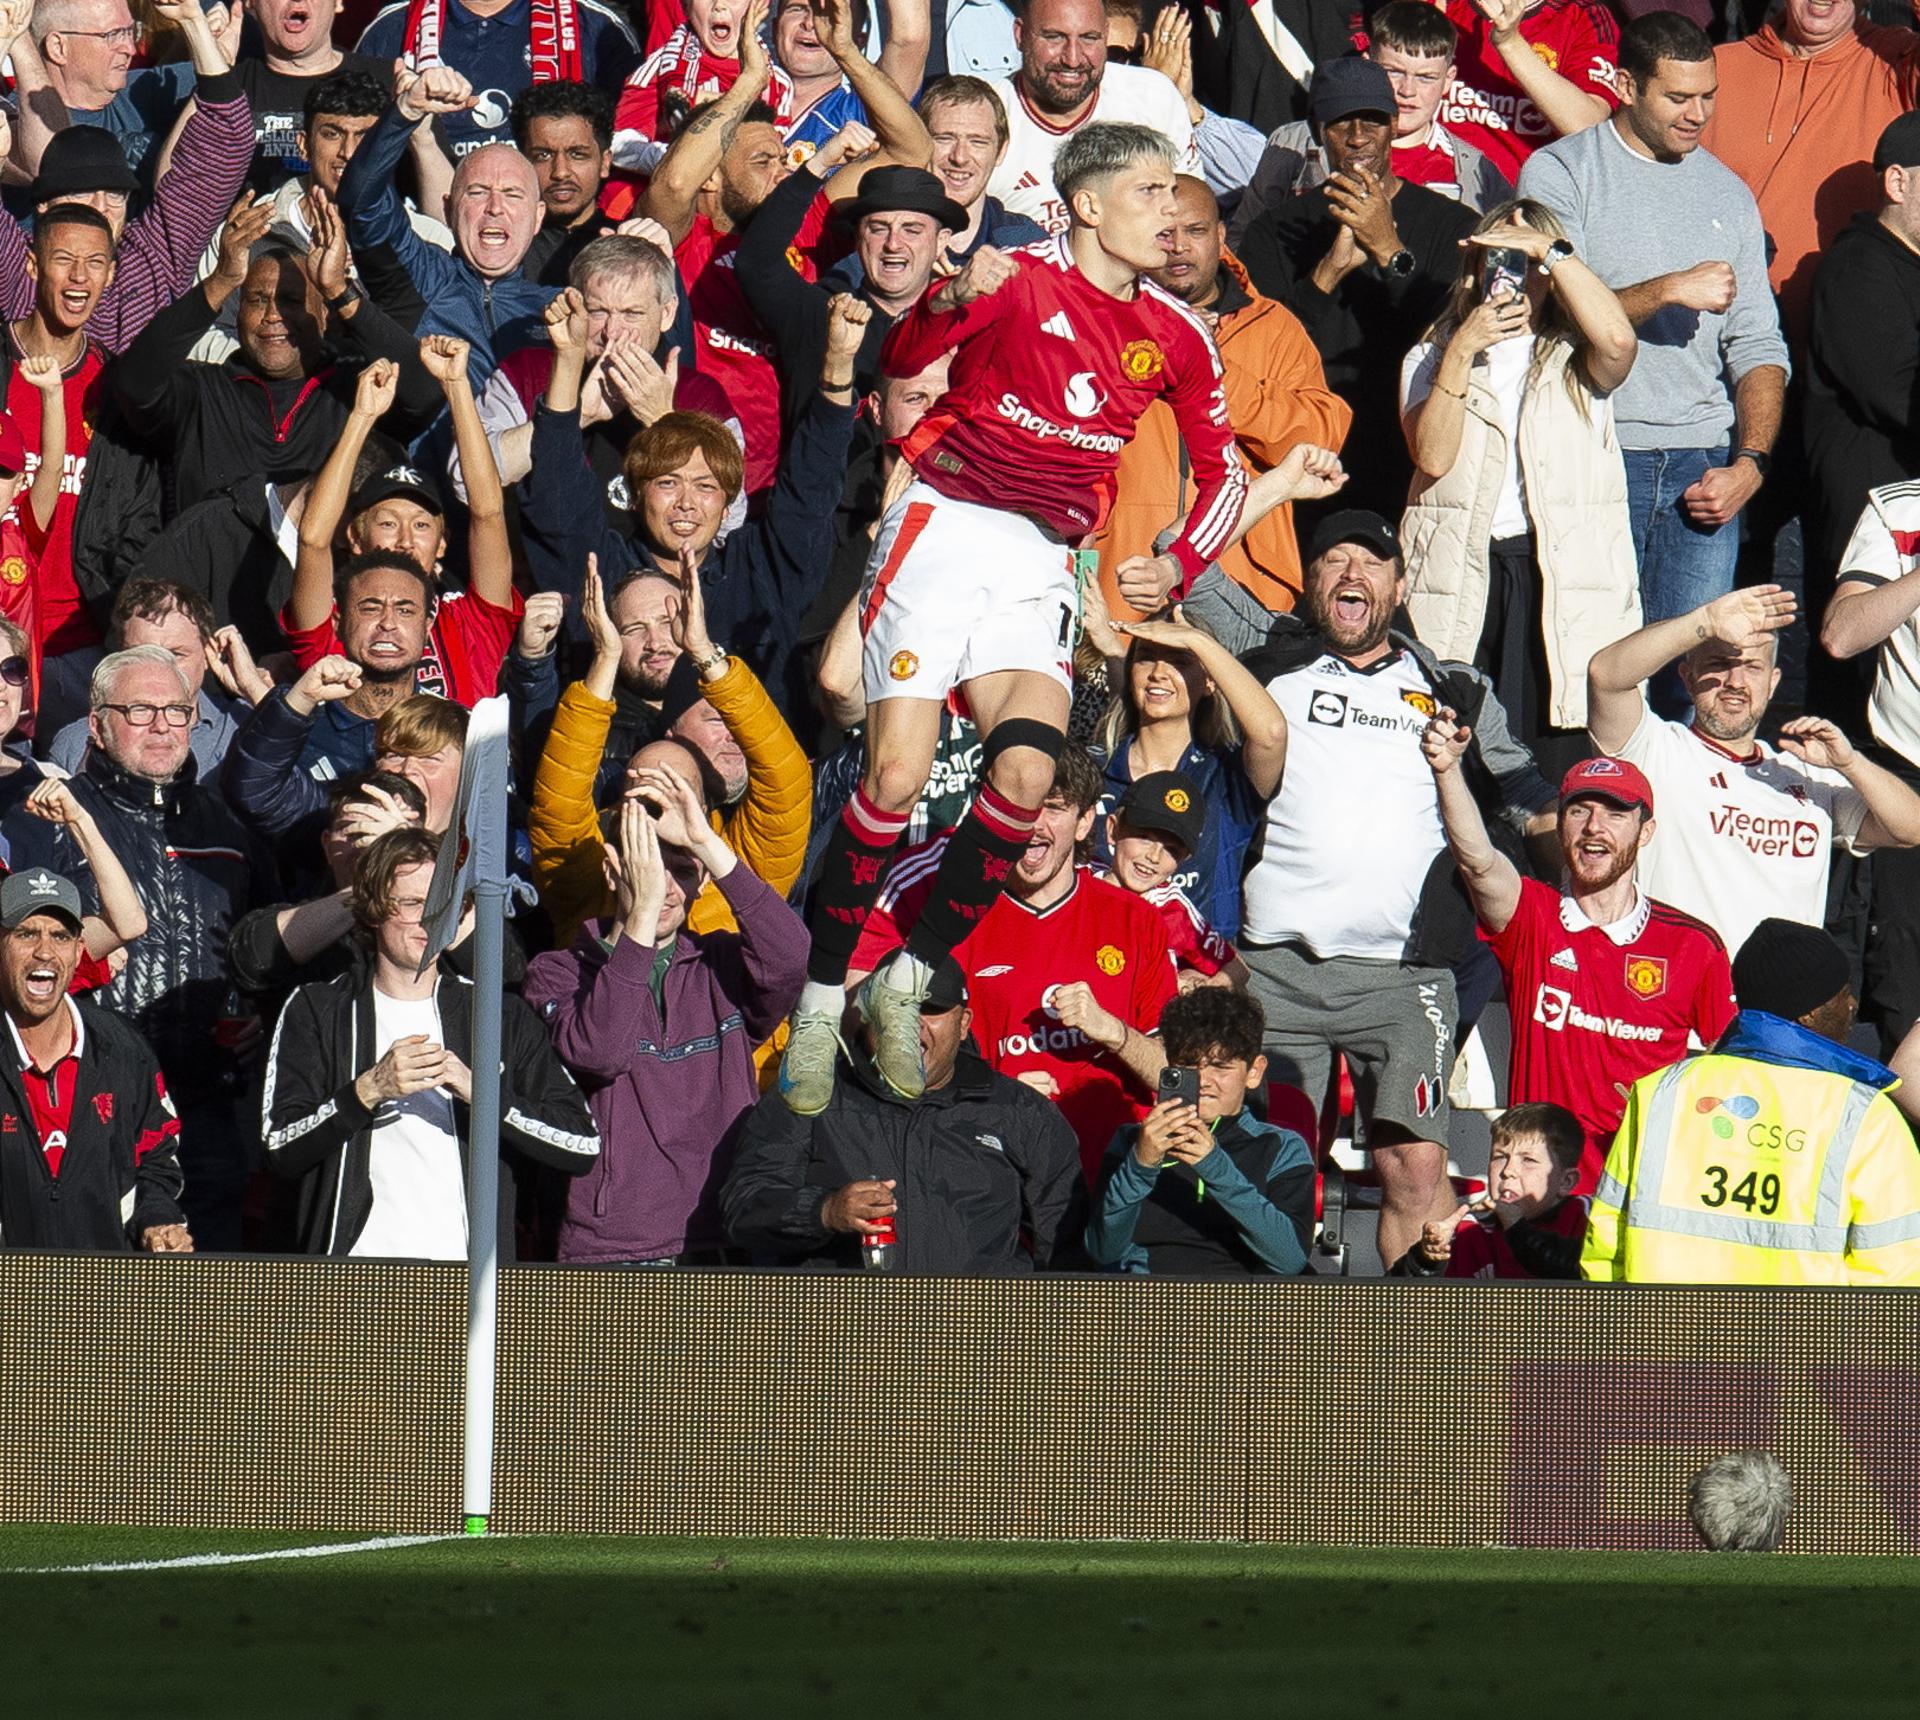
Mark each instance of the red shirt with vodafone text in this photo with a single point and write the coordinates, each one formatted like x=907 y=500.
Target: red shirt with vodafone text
x=1483 y=106
x=466 y=645
x=1595 y=1008
x=1017 y=958
x=1050 y=378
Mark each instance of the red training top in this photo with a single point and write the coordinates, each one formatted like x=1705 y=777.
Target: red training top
x=466 y=645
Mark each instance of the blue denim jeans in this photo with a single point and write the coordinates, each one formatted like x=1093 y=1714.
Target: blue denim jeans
x=1682 y=565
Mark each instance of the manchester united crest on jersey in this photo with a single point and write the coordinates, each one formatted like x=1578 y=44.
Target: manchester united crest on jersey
x=1142 y=360
x=1109 y=960
x=1646 y=975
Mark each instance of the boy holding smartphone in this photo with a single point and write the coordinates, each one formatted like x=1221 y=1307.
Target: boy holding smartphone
x=1200 y=1189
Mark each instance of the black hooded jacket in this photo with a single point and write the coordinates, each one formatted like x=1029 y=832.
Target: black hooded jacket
x=978 y=1163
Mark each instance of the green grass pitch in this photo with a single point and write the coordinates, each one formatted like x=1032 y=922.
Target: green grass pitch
x=539 y=1627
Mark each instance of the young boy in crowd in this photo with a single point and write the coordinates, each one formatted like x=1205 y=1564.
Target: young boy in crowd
x=24 y=530
x=1151 y=834
x=1206 y=1191
x=1535 y=1223
x=699 y=61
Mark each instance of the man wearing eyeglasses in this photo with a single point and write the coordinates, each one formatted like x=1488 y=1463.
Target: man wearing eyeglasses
x=197 y=870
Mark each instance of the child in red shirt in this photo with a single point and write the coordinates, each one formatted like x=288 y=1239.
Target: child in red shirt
x=1535 y=1223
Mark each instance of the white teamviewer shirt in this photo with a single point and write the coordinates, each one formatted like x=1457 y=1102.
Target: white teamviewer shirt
x=1737 y=841
x=1884 y=547
x=1337 y=883
x=1024 y=179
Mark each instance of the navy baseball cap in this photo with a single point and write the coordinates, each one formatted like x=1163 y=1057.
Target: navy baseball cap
x=1347 y=86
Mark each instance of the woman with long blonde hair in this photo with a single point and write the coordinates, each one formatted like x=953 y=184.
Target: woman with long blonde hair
x=1518 y=550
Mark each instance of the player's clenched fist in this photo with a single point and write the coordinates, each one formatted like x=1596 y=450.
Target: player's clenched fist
x=987 y=271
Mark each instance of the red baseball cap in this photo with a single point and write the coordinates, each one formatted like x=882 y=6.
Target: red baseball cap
x=1607 y=779
x=13 y=446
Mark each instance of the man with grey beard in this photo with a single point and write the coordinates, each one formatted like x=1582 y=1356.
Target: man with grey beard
x=1353 y=918
x=1746 y=832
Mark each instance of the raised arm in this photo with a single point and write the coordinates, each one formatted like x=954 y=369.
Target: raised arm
x=311 y=603
x=489 y=550
x=1492 y=880
x=897 y=129
x=1263 y=725
x=1893 y=809
x=123 y=916
x=43 y=371
x=369 y=197
x=1615 y=676
x=694 y=157
x=39 y=111
x=1567 y=107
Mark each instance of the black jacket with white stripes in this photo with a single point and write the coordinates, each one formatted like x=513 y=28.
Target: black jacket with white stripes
x=316 y=1127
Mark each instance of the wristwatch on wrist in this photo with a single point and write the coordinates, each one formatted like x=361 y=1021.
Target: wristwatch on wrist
x=343 y=298
x=707 y=665
x=1400 y=265
x=1763 y=461
x=1556 y=254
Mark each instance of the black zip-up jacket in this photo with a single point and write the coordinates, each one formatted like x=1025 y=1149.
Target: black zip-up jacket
x=317 y=1128
x=1506 y=783
x=213 y=424
x=197 y=869
x=120 y=1174
x=978 y=1162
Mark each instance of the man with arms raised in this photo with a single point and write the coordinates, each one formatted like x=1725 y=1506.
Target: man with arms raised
x=1604 y=983
x=971 y=585
x=1748 y=831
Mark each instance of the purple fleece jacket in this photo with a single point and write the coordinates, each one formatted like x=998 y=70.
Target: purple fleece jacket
x=668 y=1095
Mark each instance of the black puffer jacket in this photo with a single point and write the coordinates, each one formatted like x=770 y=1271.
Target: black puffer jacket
x=988 y=1174
x=198 y=869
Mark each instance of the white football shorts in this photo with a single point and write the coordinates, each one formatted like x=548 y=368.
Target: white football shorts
x=955 y=590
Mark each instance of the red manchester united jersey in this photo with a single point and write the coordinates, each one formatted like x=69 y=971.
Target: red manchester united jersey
x=1579 y=39
x=1015 y=961
x=1595 y=1008
x=1050 y=376
x=1481 y=1249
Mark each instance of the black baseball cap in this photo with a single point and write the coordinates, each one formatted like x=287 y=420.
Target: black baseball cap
x=1899 y=144
x=80 y=159
x=407 y=481
x=946 y=990
x=1355 y=525
x=1349 y=85
x=1168 y=803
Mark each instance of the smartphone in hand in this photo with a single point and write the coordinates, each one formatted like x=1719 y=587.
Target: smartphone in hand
x=1181 y=1084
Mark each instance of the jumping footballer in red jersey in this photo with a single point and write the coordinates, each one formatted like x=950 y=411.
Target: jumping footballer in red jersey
x=1604 y=984
x=1058 y=350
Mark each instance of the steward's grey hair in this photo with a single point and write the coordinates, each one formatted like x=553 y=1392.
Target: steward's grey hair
x=1100 y=151
x=107 y=671
x=1739 y=1503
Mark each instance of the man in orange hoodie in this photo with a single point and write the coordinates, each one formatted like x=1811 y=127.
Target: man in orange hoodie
x=1800 y=108
x=1277 y=396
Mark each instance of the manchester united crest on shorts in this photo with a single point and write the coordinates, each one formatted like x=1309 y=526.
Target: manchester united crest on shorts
x=1142 y=360
x=1646 y=975
x=1109 y=960
x=903 y=665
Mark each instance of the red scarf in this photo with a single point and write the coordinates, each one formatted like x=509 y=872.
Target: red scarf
x=555 y=34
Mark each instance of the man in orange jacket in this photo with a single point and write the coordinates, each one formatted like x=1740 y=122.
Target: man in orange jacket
x=1800 y=107
x=1277 y=396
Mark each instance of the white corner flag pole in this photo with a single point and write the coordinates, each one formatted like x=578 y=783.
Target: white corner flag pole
x=475 y=859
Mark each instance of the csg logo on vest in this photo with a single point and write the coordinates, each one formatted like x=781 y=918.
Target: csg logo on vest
x=1727 y=1116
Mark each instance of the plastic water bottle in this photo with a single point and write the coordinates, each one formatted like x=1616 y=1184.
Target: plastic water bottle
x=877 y=1246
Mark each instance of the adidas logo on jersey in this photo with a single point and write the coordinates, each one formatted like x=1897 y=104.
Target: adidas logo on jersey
x=1057 y=324
x=1027 y=181
x=1565 y=959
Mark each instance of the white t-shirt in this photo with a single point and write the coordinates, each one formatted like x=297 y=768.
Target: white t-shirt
x=1506 y=376
x=419 y=1195
x=1353 y=831
x=1024 y=179
x=1885 y=546
x=1737 y=841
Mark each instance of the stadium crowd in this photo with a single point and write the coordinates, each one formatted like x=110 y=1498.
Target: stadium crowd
x=1081 y=587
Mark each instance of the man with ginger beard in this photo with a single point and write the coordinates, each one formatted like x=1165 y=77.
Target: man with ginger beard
x=1604 y=984
x=1352 y=925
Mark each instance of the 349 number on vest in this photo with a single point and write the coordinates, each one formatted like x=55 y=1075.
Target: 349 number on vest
x=1752 y=1193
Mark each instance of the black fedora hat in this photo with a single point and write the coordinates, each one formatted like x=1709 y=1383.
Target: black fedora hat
x=890 y=190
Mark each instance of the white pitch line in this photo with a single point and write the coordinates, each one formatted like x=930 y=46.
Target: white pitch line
x=196 y=1559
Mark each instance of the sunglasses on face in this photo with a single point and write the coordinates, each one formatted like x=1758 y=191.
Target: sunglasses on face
x=13 y=670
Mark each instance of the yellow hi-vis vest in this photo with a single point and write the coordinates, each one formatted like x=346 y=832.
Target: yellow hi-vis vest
x=1729 y=1170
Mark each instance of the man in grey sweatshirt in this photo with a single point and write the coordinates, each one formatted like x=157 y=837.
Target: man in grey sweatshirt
x=1677 y=235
